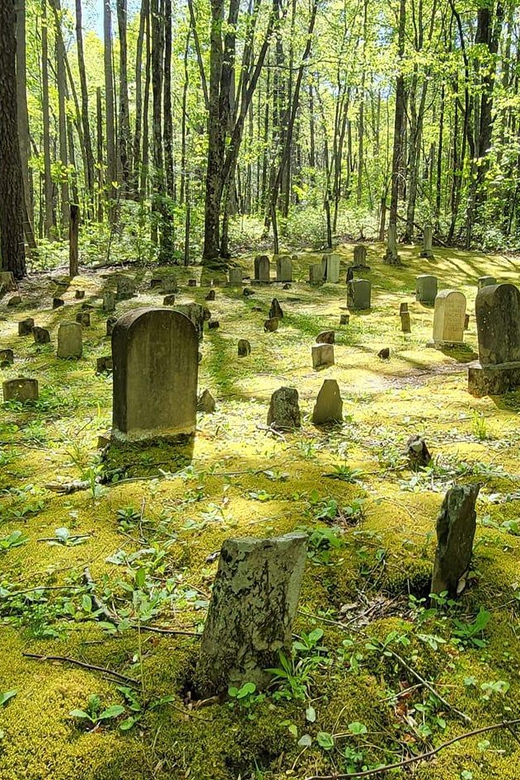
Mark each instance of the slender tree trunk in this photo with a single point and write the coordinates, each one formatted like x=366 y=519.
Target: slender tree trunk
x=137 y=161
x=74 y=241
x=124 y=113
x=109 y=113
x=23 y=121
x=89 y=156
x=99 y=146
x=48 y=184
x=61 y=84
x=168 y=119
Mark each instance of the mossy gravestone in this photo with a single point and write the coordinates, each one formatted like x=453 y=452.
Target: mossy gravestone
x=251 y=612
x=456 y=526
x=155 y=364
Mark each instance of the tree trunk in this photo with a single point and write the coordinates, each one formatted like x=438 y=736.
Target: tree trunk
x=109 y=114
x=74 y=241
x=89 y=156
x=124 y=113
x=23 y=120
x=61 y=84
x=47 y=176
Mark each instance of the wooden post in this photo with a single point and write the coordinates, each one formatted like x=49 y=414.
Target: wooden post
x=73 y=241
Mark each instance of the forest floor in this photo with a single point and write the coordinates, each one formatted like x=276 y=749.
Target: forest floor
x=377 y=674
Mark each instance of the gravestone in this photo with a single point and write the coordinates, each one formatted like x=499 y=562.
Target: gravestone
x=104 y=364
x=329 y=406
x=427 y=249
x=466 y=321
x=210 y=296
x=344 y=319
x=283 y=269
x=271 y=324
x=41 y=335
x=322 y=355
x=6 y=357
x=206 y=403
x=125 y=288
x=169 y=300
x=262 y=269
x=251 y=612
x=156 y=281
x=358 y=294
x=79 y=295
x=109 y=301
x=284 y=410
x=192 y=282
x=70 y=344
x=316 y=273
x=326 y=337
x=360 y=257
x=448 y=318
x=213 y=324
x=14 y=300
x=406 y=324
x=57 y=302
x=155 y=375
x=169 y=284
x=244 y=348
x=111 y=321
x=275 y=310
x=20 y=389
x=485 y=281
x=426 y=289
x=417 y=453
x=198 y=315
x=330 y=267
x=497 y=312
x=235 y=276
x=25 y=327
x=455 y=527
x=403 y=307
x=83 y=317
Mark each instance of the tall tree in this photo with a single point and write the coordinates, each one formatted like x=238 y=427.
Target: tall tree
x=87 y=138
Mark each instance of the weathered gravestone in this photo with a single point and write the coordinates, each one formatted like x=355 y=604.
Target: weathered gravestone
x=427 y=249
x=109 y=301
x=326 y=337
x=6 y=358
x=169 y=300
x=155 y=360
x=198 y=315
x=448 y=318
x=210 y=296
x=25 y=327
x=57 y=302
x=213 y=324
x=111 y=321
x=426 y=289
x=14 y=300
x=344 y=319
x=271 y=324
x=235 y=277
x=41 y=335
x=417 y=452
x=497 y=311
x=252 y=608
x=456 y=526
x=169 y=284
x=283 y=268
x=206 y=403
x=403 y=307
x=329 y=406
x=104 y=364
x=192 y=282
x=322 y=355
x=485 y=281
x=284 y=409
x=316 y=273
x=83 y=317
x=70 y=340
x=275 y=310
x=79 y=295
x=330 y=267
x=20 y=389
x=358 y=294
x=125 y=288
x=262 y=269
x=244 y=348
x=406 y=323
x=360 y=257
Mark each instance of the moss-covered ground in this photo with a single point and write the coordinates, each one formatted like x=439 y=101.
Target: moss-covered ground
x=356 y=697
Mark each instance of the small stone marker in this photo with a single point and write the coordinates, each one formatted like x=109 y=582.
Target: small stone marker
x=426 y=289
x=427 y=250
x=326 y=337
x=485 y=281
x=235 y=276
x=210 y=296
x=403 y=307
x=169 y=300
x=406 y=323
x=322 y=355
x=111 y=321
x=41 y=335
x=125 y=288
x=104 y=364
x=275 y=310
x=448 y=318
x=283 y=268
x=70 y=342
x=384 y=354
x=417 y=452
x=14 y=300
x=271 y=324
x=6 y=357
x=20 y=389
x=252 y=608
x=244 y=348
x=247 y=291
x=358 y=294
x=286 y=286
x=169 y=284
x=198 y=315
x=25 y=327
x=262 y=269
x=212 y=324
x=329 y=406
x=57 y=302
x=79 y=295
x=192 y=282
x=83 y=317
x=316 y=273
x=206 y=403
x=156 y=281
x=360 y=257
x=497 y=310
x=344 y=319
x=456 y=526
x=284 y=409
x=155 y=354
x=109 y=301
x=466 y=321
x=330 y=267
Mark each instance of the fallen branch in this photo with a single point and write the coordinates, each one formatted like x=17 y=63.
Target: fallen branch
x=506 y=724
x=84 y=665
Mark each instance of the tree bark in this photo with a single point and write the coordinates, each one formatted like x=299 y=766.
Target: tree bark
x=89 y=156
x=74 y=241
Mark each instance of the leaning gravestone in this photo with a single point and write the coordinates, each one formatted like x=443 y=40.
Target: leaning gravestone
x=262 y=269
x=41 y=335
x=70 y=342
x=20 y=389
x=25 y=327
x=426 y=289
x=322 y=355
x=284 y=410
x=427 y=250
x=330 y=267
x=155 y=375
x=252 y=608
x=275 y=310
x=497 y=311
x=283 y=269
x=448 y=318
x=485 y=281
x=358 y=294
x=456 y=526
x=329 y=406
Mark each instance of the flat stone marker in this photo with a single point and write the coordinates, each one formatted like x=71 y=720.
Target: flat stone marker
x=329 y=406
x=192 y=282
x=322 y=355
x=485 y=281
x=284 y=409
x=427 y=249
x=271 y=324
x=497 y=312
x=6 y=357
x=25 y=327
x=244 y=348
x=109 y=301
x=316 y=273
x=358 y=294
x=330 y=267
x=70 y=340
x=448 y=318
x=111 y=321
x=456 y=526
x=169 y=300
x=262 y=269
x=20 y=389
x=41 y=335
x=210 y=296
x=326 y=337
x=235 y=276
x=283 y=268
x=251 y=612
x=426 y=289
x=275 y=310
x=155 y=354
x=83 y=317
x=206 y=403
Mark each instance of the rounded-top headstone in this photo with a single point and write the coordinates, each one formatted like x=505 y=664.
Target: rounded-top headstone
x=155 y=356
x=497 y=311
x=70 y=340
x=448 y=317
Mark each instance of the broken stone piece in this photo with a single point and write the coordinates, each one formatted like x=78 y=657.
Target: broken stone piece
x=325 y=337
x=455 y=527
x=25 y=327
x=244 y=348
x=284 y=409
x=206 y=403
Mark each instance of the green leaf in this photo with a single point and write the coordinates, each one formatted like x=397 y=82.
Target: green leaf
x=4 y=697
x=114 y=711
x=246 y=689
x=86 y=603
x=79 y=714
x=325 y=740
x=140 y=577
x=357 y=728
x=293 y=729
x=127 y=724
x=305 y=740
x=310 y=714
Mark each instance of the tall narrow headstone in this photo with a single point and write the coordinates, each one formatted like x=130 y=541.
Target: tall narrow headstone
x=360 y=256
x=456 y=526
x=155 y=375
x=316 y=273
x=70 y=344
x=262 y=269
x=330 y=267
x=427 y=249
x=426 y=289
x=283 y=268
x=358 y=294
x=448 y=318
x=329 y=406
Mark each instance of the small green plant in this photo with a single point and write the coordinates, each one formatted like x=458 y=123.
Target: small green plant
x=480 y=426
x=295 y=672
x=7 y=696
x=346 y=474
x=137 y=707
x=470 y=634
x=321 y=543
x=94 y=714
x=14 y=539
x=64 y=537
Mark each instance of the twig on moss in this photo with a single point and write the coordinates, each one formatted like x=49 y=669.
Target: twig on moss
x=84 y=665
x=506 y=724
x=174 y=631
